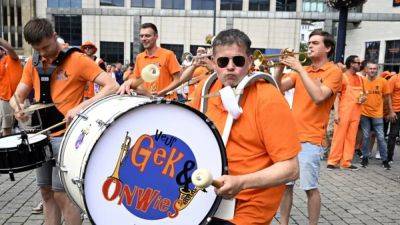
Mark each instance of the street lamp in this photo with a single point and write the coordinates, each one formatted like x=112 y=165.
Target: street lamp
x=215 y=17
x=343 y=7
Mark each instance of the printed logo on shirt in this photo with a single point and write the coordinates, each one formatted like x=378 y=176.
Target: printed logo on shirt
x=62 y=75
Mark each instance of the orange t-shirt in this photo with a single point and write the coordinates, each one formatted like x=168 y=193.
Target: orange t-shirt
x=10 y=74
x=263 y=135
x=394 y=88
x=375 y=90
x=166 y=62
x=312 y=119
x=199 y=73
x=67 y=83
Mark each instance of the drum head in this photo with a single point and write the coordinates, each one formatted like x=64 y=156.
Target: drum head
x=14 y=140
x=139 y=170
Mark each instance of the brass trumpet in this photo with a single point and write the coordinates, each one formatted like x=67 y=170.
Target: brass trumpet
x=266 y=60
x=188 y=58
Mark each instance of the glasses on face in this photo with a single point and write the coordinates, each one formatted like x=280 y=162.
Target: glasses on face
x=238 y=60
x=357 y=63
x=87 y=47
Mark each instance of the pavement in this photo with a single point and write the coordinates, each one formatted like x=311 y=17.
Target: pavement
x=368 y=196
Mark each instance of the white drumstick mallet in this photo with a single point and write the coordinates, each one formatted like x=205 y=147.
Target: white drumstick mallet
x=202 y=178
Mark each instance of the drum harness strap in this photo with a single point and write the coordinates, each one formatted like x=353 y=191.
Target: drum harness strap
x=247 y=80
x=50 y=115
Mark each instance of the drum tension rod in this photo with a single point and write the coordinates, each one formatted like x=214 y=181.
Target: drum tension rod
x=83 y=116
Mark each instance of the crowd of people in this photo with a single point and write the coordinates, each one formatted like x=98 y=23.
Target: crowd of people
x=266 y=152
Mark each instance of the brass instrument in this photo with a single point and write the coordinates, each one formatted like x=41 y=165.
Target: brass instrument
x=266 y=60
x=188 y=58
x=209 y=39
x=124 y=149
x=150 y=73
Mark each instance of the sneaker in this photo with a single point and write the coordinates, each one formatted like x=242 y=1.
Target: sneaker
x=331 y=167
x=364 y=162
x=351 y=167
x=38 y=209
x=386 y=165
x=390 y=162
x=378 y=155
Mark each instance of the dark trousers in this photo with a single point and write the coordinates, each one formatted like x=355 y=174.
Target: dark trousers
x=393 y=133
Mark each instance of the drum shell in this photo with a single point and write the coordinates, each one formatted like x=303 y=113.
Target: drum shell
x=72 y=173
x=19 y=159
x=101 y=118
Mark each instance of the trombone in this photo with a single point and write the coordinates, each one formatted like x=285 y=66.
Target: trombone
x=267 y=60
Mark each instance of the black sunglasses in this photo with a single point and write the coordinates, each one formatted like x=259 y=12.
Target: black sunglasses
x=238 y=60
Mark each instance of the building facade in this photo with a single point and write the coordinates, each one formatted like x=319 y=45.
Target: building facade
x=13 y=14
x=113 y=25
x=378 y=41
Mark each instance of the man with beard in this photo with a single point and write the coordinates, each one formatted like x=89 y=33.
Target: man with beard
x=347 y=116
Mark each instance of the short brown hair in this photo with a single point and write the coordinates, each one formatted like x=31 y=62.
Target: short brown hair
x=230 y=37
x=36 y=29
x=329 y=41
x=150 y=25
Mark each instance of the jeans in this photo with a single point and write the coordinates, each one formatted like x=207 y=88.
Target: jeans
x=393 y=133
x=376 y=124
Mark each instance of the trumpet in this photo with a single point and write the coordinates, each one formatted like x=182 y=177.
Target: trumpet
x=266 y=60
x=188 y=58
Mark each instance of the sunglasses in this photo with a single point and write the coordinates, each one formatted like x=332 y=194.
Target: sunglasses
x=357 y=63
x=238 y=60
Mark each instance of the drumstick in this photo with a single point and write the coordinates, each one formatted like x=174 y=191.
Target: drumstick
x=49 y=128
x=37 y=107
x=202 y=178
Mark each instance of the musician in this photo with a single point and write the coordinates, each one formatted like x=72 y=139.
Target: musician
x=90 y=50
x=260 y=161
x=161 y=57
x=10 y=74
x=315 y=90
x=64 y=87
x=201 y=70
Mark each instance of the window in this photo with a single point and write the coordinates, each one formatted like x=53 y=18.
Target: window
x=143 y=3
x=64 y=3
x=69 y=28
x=314 y=5
x=203 y=4
x=392 y=55
x=372 y=51
x=177 y=49
x=173 y=4
x=286 y=5
x=231 y=4
x=112 y=3
x=112 y=52
x=259 y=5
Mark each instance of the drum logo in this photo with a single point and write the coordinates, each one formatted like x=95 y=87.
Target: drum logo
x=152 y=178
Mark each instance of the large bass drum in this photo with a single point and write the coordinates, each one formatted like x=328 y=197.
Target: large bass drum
x=128 y=160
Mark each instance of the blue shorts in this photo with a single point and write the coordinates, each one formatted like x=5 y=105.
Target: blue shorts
x=48 y=175
x=310 y=163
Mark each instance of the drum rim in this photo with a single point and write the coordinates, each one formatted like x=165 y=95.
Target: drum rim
x=19 y=133
x=202 y=116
